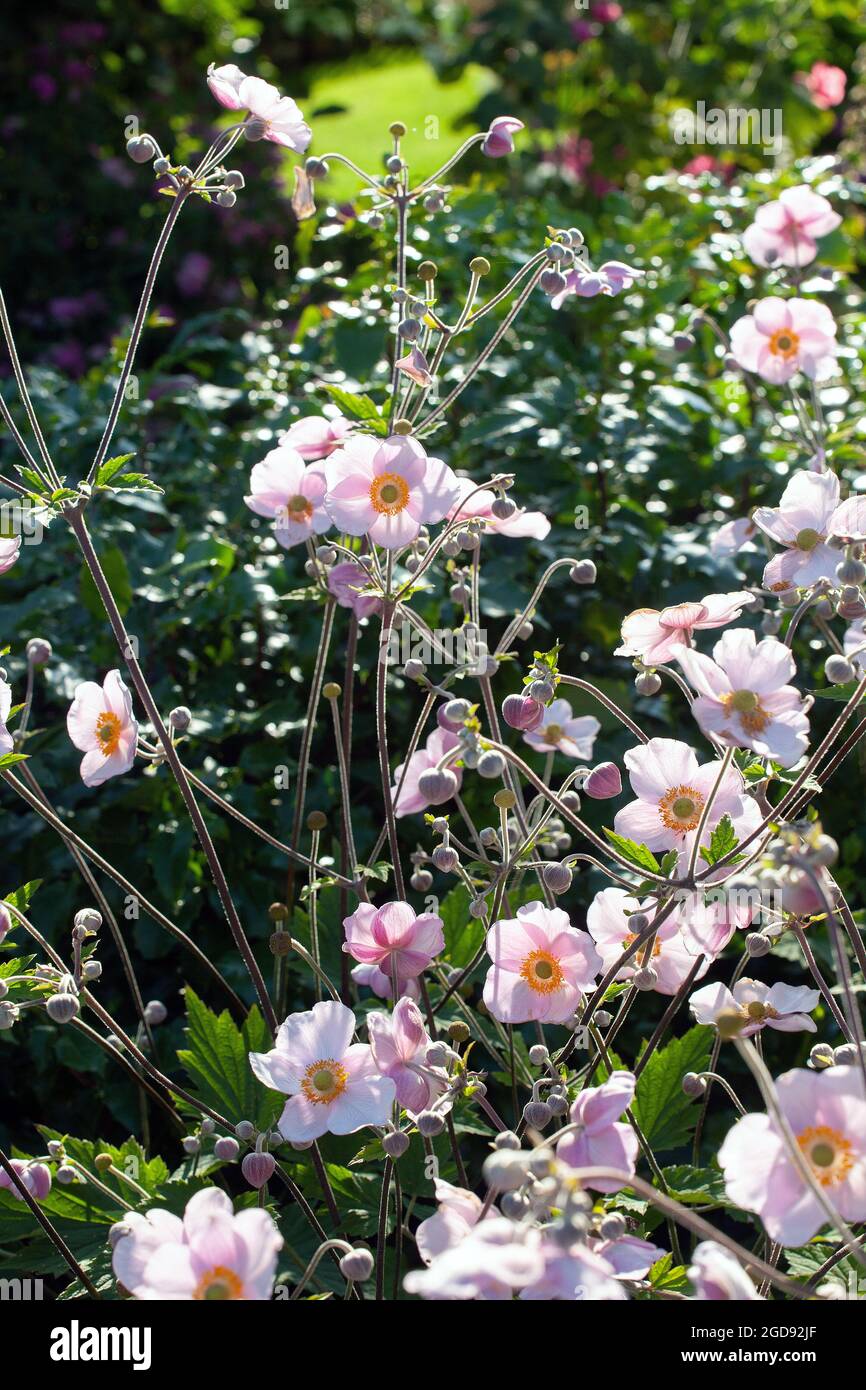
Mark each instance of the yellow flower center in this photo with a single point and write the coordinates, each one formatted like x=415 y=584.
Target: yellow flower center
x=108 y=733
x=218 y=1283
x=643 y=954
x=389 y=493
x=542 y=972
x=323 y=1081
x=747 y=705
x=808 y=538
x=827 y=1152
x=680 y=808
x=784 y=343
x=552 y=733
x=299 y=508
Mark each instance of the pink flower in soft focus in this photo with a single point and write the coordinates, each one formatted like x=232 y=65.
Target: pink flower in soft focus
x=743 y=696
x=332 y=1083
x=671 y=957
x=43 y=85
x=416 y=367
x=658 y=636
x=732 y=537
x=629 y=1256
x=849 y=519
x=600 y=1140
x=193 y=273
x=708 y=164
x=387 y=489
x=827 y=1112
x=210 y=1254
x=574 y=153
x=824 y=83
x=316 y=436
x=371 y=977
x=708 y=923
x=459 y=1210
x=716 y=1275
x=101 y=724
x=36 y=1177
x=802 y=523
x=496 y=1258
x=611 y=278
x=5 y=922
x=541 y=966
x=574 y=1273
x=347 y=582
x=479 y=503
x=560 y=732
x=10 y=549
x=606 y=11
x=783 y=1007
x=393 y=938
x=292 y=492
x=784 y=232
x=399 y=1041
x=499 y=140
x=7 y=743
x=279 y=115
x=672 y=789
x=410 y=798
x=784 y=336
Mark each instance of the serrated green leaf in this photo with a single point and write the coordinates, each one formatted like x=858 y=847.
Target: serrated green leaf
x=667 y=1116
x=111 y=466
x=22 y=896
x=358 y=407
x=722 y=841
x=217 y=1061
x=639 y=855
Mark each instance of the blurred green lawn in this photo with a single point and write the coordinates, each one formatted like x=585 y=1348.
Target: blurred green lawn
x=350 y=109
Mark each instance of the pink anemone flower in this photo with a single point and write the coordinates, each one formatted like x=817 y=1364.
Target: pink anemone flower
x=458 y=1211
x=101 y=724
x=673 y=953
x=732 y=537
x=610 y=279
x=387 y=489
x=279 y=117
x=802 y=522
x=393 y=938
x=496 y=1258
x=316 y=436
x=400 y=1041
x=409 y=798
x=499 y=139
x=35 y=1177
x=347 y=582
x=333 y=1084
x=10 y=549
x=479 y=504
x=656 y=636
x=541 y=966
x=784 y=336
x=784 y=232
x=560 y=732
x=717 y=1276
x=825 y=84
x=291 y=492
x=600 y=1140
x=780 y=1006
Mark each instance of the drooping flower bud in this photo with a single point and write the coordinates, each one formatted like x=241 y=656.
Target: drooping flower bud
x=258 y=1168
x=357 y=1265
x=603 y=782
x=522 y=712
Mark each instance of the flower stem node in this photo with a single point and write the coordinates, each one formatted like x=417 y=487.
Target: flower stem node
x=357 y=1265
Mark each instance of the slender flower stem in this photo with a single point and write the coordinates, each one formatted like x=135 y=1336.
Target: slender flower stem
x=48 y=1227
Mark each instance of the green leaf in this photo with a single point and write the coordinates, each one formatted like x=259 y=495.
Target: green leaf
x=667 y=1116
x=840 y=693
x=696 y=1186
x=110 y=467
x=135 y=482
x=638 y=855
x=359 y=407
x=722 y=841
x=116 y=572
x=22 y=896
x=666 y=1275
x=463 y=933
x=9 y=759
x=217 y=1060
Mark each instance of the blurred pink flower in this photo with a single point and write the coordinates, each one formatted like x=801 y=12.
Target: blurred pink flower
x=824 y=83
x=458 y=1211
x=36 y=1177
x=316 y=436
x=101 y=724
x=601 y=1140
x=541 y=966
x=802 y=522
x=10 y=549
x=479 y=503
x=193 y=272
x=784 y=232
x=496 y=1257
x=731 y=537
x=347 y=582
x=611 y=278
x=399 y=1041
x=784 y=336
x=7 y=743
x=716 y=1275
x=279 y=115
x=387 y=488
x=559 y=731
x=783 y=1007
x=608 y=923
x=371 y=977
x=657 y=636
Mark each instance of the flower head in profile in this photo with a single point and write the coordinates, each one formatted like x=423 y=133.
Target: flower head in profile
x=672 y=789
x=671 y=956
x=656 y=636
x=400 y=1041
x=560 y=732
x=333 y=1084
x=824 y=83
x=387 y=489
x=210 y=1254
x=416 y=367
x=394 y=938
x=541 y=966
x=409 y=798
x=499 y=139
x=10 y=549
x=783 y=1007
x=600 y=1139
x=292 y=493
x=744 y=699
x=101 y=724
x=35 y=1177
x=826 y=1111
x=273 y=116
x=784 y=336
x=478 y=503
x=316 y=436
x=802 y=523
x=348 y=582
x=458 y=1211
x=732 y=537
x=784 y=232
x=611 y=279
x=717 y=1276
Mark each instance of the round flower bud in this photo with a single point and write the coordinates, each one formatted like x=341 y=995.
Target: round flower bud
x=851 y=571
x=227 y=198
x=490 y=764
x=257 y=1168
x=839 y=670
x=191 y=1144
x=395 y=1143
x=161 y=165
x=603 y=1019
x=537 y=1114
x=245 y=1130
x=557 y=1103
x=683 y=342
x=603 y=782
x=612 y=1226
x=645 y=978
x=693 y=1085
x=479 y=265
x=38 y=651
x=522 y=712
x=63 y=1008
x=824 y=851
x=180 y=718
x=540 y=691
x=638 y=922
x=66 y=1174
x=226 y=1148
x=570 y=800
x=414 y=669
x=155 y=1012
x=141 y=149
x=410 y=329
x=478 y=908
x=514 y=1205
x=557 y=877
x=458 y=1031
x=757 y=944
x=437 y=785
x=503 y=508
x=8 y=1015
x=357 y=1265
x=92 y=969
x=846 y=1055
x=552 y=282
x=506 y=1169
x=821 y=1056
x=771 y=624
x=445 y=859
x=394 y=164
x=584 y=572
x=647 y=683
x=506 y=1139
x=88 y=919
x=316 y=168
x=430 y=1123
x=421 y=881
x=539 y=1055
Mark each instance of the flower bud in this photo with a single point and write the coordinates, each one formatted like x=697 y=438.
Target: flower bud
x=88 y=919
x=63 y=1008
x=557 y=1103
x=357 y=1265
x=522 y=712
x=421 y=881
x=557 y=877
x=821 y=1056
x=638 y=922
x=191 y=1144
x=552 y=282
x=506 y=1169
x=430 y=1123
x=693 y=1085
x=537 y=1114
x=647 y=683
x=257 y=1168
x=539 y=1056
x=612 y=1226
x=226 y=1148
x=414 y=669
x=141 y=149
x=584 y=572
x=395 y=1143
x=851 y=571
x=757 y=944
x=180 y=718
x=503 y=508
x=490 y=764
x=91 y=969
x=506 y=1139
x=66 y=1175
x=839 y=670
x=38 y=651
x=245 y=1130
x=645 y=978
x=227 y=198
x=155 y=1012
x=316 y=168
x=603 y=782
x=445 y=859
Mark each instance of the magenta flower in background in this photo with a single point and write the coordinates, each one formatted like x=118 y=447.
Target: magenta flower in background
x=824 y=83
x=611 y=278
x=672 y=789
x=716 y=1275
x=399 y=1041
x=559 y=731
x=783 y=1007
x=656 y=636
x=332 y=1083
x=10 y=549
x=473 y=502
x=785 y=232
x=802 y=522
x=393 y=938
x=499 y=140
x=673 y=952
x=826 y=1110
x=291 y=492
x=572 y=1273
x=316 y=436
x=629 y=1256
x=280 y=116
x=387 y=489
x=600 y=1140
x=541 y=966
x=458 y=1212
x=347 y=582
x=743 y=696
x=101 y=724
x=784 y=336
x=36 y=1177
x=209 y=1254
x=411 y=799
